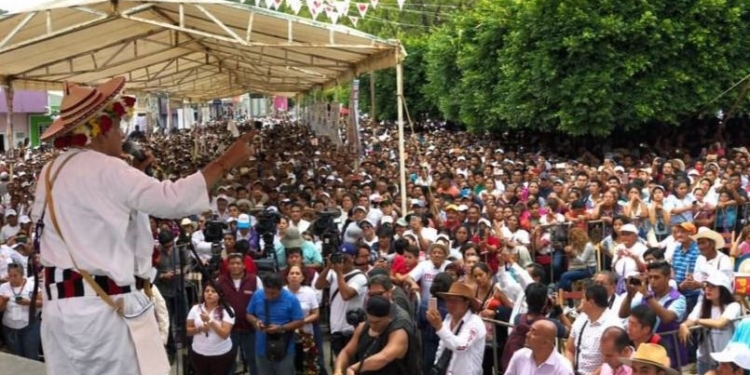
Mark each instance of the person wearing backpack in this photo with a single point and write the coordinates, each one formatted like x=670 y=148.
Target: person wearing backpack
x=538 y=303
x=382 y=345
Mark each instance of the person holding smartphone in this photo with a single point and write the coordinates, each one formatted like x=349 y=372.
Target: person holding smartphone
x=21 y=335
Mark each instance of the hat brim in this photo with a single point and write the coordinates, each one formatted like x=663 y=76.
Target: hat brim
x=729 y=355
x=473 y=302
x=110 y=90
x=630 y=361
x=718 y=240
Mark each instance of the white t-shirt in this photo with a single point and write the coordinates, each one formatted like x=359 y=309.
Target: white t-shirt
x=339 y=307
x=210 y=343
x=308 y=301
x=8 y=231
x=16 y=316
x=627 y=266
x=721 y=262
x=520 y=236
x=425 y=273
x=718 y=337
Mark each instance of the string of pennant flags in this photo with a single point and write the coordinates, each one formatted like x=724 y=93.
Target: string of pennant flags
x=334 y=10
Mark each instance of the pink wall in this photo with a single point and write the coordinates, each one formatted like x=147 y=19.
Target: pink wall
x=25 y=102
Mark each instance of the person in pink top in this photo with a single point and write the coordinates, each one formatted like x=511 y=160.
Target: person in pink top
x=615 y=343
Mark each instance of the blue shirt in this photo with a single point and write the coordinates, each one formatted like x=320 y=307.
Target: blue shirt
x=283 y=310
x=683 y=263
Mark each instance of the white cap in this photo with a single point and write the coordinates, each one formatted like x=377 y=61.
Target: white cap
x=24 y=219
x=719 y=278
x=630 y=228
x=463 y=207
x=619 y=169
x=11 y=212
x=222 y=196
x=460 y=158
x=375 y=197
x=735 y=352
x=485 y=222
x=386 y=219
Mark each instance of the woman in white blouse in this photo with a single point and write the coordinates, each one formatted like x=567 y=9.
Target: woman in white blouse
x=21 y=336
x=306 y=353
x=210 y=325
x=715 y=312
x=462 y=333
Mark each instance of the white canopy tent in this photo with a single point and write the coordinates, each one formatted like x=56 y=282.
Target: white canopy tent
x=195 y=50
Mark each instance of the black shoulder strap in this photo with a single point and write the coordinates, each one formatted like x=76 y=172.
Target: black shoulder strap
x=578 y=345
x=346 y=280
x=268 y=315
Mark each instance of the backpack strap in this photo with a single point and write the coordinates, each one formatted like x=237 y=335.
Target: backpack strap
x=346 y=280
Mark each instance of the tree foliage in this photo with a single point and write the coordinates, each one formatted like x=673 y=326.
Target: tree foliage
x=587 y=66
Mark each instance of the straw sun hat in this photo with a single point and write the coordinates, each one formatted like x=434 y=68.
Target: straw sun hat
x=98 y=107
x=462 y=290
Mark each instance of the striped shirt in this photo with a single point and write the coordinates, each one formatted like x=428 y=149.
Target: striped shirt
x=683 y=264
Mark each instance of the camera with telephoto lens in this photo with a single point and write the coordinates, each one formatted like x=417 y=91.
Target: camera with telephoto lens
x=265 y=260
x=356 y=316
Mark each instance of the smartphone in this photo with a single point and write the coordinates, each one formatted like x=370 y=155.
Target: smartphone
x=481 y=233
x=432 y=304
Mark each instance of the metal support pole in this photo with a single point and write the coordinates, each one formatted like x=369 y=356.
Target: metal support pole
x=9 y=103
x=169 y=115
x=401 y=151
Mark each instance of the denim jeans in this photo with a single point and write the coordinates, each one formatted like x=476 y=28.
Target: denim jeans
x=318 y=334
x=244 y=342
x=24 y=342
x=705 y=365
x=283 y=367
x=568 y=278
x=558 y=258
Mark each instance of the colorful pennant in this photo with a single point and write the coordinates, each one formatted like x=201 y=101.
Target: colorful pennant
x=362 y=8
x=354 y=20
x=374 y=4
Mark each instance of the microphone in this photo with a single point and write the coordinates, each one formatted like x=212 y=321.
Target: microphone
x=137 y=153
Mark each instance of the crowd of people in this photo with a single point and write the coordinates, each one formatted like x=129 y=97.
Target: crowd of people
x=628 y=257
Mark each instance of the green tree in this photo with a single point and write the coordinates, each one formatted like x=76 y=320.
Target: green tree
x=414 y=78
x=587 y=66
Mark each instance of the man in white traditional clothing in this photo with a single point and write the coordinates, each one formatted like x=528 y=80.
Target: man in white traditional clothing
x=96 y=243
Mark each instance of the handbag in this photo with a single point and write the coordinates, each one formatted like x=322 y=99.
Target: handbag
x=136 y=309
x=441 y=365
x=277 y=344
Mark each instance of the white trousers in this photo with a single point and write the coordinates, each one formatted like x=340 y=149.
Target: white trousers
x=85 y=336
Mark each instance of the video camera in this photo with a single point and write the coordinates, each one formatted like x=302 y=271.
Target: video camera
x=266 y=260
x=326 y=229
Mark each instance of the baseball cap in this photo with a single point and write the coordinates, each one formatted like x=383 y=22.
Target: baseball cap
x=719 y=278
x=387 y=219
x=417 y=202
x=629 y=228
x=243 y=221
x=401 y=222
x=452 y=207
x=24 y=219
x=349 y=248
x=11 y=212
x=735 y=352
x=687 y=226
x=360 y=208
x=364 y=222
x=463 y=208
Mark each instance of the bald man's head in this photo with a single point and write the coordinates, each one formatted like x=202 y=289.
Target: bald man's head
x=542 y=335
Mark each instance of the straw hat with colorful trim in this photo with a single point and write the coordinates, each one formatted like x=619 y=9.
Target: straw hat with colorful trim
x=97 y=106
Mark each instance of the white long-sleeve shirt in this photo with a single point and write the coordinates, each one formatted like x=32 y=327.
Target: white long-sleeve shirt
x=514 y=289
x=102 y=206
x=467 y=346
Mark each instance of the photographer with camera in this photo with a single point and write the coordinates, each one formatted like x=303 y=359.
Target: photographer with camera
x=380 y=345
x=670 y=306
x=275 y=313
x=347 y=287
